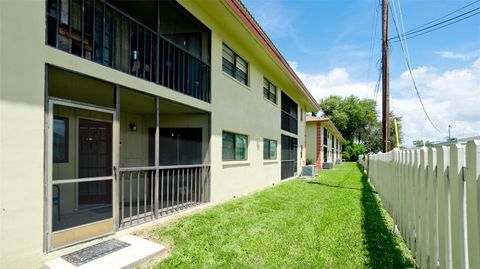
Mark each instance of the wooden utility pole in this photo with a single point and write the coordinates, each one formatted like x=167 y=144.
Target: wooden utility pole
x=385 y=80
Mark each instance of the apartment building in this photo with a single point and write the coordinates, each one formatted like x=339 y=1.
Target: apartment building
x=116 y=113
x=324 y=142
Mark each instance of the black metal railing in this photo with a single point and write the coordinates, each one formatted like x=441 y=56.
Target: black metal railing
x=97 y=31
x=147 y=193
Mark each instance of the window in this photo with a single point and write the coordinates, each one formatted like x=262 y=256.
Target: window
x=288 y=156
x=60 y=140
x=325 y=136
x=269 y=91
x=269 y=149
x=178 y=146
x=234 y=65
x=289 y=114
x=234 y=147
x=301 y=114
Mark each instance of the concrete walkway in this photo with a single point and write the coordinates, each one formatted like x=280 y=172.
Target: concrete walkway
x=124 y=252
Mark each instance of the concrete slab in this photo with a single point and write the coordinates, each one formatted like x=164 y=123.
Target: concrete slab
x=138 y=251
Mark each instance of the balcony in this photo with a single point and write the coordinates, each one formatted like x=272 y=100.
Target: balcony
x=121 y=35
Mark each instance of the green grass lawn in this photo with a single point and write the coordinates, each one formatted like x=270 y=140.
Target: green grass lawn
x=334 y=221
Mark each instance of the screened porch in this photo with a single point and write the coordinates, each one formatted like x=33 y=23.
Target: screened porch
x=118 y=157
x=158 y=41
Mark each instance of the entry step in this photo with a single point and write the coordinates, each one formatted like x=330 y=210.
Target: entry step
x=123 y=252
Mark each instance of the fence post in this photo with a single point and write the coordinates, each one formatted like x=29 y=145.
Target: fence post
x=417 y=203
x=423 y=216
x=455 y=174
x=398 y=190
x=413 y=185
x=432 y=208
x=443 y=203
x=409 y=198
x=402 y=194
x=433 y=196
x=392 y=165
x=472 y=177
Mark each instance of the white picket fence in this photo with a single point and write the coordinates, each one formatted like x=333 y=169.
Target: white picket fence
x=433 y=195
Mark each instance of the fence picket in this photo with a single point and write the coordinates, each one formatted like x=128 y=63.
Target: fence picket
x=411 y=201
x=433 y=197
x=402 y=194
x=423 y=217
x=418 y=204
x=472 y=177
x=443 y=202
x=456 y=206
x=432 y=209
x=414 y=177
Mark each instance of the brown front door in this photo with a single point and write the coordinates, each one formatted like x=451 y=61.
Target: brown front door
x=94 y=160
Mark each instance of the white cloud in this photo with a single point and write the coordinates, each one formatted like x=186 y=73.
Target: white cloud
x=451 y=98
x=335 y=82
x=458 y=56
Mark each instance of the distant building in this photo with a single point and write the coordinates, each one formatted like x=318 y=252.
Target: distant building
x=456 y=141
x=324 y=142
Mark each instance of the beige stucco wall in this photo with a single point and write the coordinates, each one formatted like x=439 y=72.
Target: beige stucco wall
x=234 y=107
x=311 y=141
x=332 y=148
x=21 y=132
x=247 y=113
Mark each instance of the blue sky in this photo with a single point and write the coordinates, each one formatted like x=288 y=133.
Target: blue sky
x=329 y=45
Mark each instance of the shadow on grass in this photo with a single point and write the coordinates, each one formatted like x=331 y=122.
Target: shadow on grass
x=384 y=249
x=340 y=186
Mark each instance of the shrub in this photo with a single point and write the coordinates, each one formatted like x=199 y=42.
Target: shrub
x=352 y=150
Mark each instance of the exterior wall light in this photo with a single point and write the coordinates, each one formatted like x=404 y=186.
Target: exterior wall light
x=133 y=127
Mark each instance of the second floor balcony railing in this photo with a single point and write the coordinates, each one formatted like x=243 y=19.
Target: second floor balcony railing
x=98 y=31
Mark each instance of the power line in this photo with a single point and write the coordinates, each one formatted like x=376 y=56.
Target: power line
x=407 y=62
x=444 y=16
x=377 y=85
x=372 y=39
x=440 y=23
x=403 y=27
x=440 y=27
x=423 y=29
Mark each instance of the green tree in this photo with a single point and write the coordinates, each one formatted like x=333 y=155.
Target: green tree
x=352 y=150
x=358 y=121
x=374 y=141
x=350 y=115
x=420 y=143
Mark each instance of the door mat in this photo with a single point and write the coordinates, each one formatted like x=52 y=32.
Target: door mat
x=94 y=252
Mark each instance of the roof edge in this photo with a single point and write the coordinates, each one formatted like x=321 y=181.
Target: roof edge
x=241 y=11
x=329 y=123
